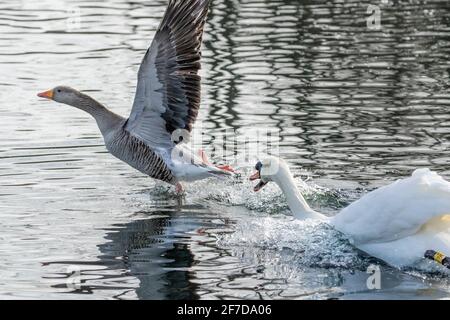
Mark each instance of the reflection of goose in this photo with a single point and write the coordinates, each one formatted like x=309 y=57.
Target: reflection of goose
x=166 y=103
x=150 y=251
x=396 y=223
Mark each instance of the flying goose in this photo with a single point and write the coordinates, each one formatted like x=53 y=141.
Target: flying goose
x=165 y=106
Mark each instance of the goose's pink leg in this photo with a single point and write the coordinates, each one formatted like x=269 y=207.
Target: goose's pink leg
x=226 y=168
x=179 y=188
x=202 y=154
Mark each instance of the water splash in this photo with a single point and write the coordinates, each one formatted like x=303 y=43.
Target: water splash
x=429 y=270
x=239 y=192
x=269 y=236
x=311 y=243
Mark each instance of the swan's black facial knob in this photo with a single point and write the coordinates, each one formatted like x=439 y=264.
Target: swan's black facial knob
x=257 y=175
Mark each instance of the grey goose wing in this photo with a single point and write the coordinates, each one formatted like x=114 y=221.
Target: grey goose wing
x=168 y=90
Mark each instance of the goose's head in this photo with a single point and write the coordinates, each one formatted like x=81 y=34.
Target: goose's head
x=64 y=95
x=268 y=170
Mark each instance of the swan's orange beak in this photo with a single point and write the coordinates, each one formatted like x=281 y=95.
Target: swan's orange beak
x=261 y=184
x=255 y=176
x=46 y=94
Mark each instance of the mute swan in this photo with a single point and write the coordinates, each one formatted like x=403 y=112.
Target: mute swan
x=397 y=223
x=166 y=103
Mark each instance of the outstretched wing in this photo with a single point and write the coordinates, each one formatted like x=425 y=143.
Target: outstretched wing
x=168 y=89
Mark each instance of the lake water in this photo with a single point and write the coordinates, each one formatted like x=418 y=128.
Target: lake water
x=356 y=108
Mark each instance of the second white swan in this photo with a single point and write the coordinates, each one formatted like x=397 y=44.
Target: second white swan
x=397 y=223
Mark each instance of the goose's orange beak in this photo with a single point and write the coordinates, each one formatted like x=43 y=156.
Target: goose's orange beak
x=46 y=94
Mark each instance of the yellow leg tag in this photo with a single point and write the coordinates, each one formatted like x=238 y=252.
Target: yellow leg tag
x=439 y=257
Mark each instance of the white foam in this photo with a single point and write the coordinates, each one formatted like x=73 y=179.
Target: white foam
x=239 y=192
x=312 y=243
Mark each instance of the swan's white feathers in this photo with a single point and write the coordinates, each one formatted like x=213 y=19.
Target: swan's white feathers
x=397 y=223
x=399 y=210
x=409 y=250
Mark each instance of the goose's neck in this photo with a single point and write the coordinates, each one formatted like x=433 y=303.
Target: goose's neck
x=296 y=201
x=106 y=119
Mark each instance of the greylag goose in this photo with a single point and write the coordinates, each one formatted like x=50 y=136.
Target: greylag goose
x=165 y=106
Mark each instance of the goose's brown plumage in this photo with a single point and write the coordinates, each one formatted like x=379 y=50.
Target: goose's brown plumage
x=167 y=99
x=140 y=156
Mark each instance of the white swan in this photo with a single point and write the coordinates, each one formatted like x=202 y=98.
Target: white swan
x=397 y=223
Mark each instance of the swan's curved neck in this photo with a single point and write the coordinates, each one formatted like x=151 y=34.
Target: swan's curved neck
x=296 y=202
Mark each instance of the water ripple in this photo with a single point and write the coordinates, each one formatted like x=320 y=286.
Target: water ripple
x=355 y=108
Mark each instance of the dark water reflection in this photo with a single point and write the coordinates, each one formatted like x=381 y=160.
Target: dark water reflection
x=355 y=108
x=340 y=93
x=138 y=243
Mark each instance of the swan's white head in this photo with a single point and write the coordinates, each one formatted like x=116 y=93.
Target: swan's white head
x=268 y=170
x=276 y=170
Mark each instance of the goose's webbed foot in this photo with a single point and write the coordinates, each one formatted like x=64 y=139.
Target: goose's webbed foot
x=179 y=189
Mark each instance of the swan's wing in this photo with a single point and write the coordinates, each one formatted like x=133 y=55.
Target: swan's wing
x=398 y=210
x=168 y=89
x=409 y=250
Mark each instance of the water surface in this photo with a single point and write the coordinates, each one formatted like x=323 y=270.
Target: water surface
x=356 y=109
